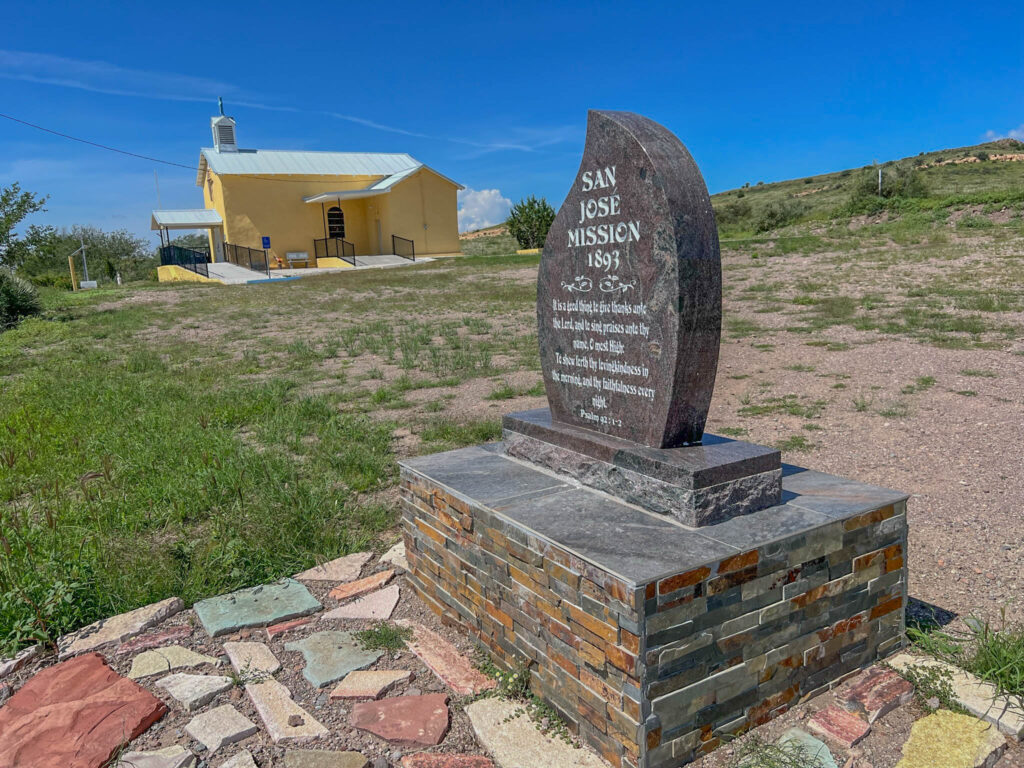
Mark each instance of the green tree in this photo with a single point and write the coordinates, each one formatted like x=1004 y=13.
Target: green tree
x=529 y=221
x=194 y=240
x=15 y=205
x=42 y=255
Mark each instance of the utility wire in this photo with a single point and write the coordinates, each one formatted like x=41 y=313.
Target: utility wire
x=136 y=155
x=94 y=144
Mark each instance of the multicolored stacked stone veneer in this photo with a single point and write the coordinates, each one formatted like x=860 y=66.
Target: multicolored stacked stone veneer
x=654 y=640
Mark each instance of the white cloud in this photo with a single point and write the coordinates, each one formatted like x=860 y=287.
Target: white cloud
x=111 y=79
x=479 y=208
x=102 y=77
x=1014 y=133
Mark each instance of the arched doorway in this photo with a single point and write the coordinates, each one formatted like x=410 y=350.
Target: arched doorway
x=335 y=222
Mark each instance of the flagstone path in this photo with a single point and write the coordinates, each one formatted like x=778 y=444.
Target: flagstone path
x=166 y=695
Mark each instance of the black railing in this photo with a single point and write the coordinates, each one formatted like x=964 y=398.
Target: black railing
x=403 y=247
x=250 y=258
x=335 y=248
x=186 y=258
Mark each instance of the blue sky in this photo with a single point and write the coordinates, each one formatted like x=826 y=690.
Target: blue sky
x=492 y=95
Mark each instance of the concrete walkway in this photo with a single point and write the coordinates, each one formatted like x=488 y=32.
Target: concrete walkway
x=231 y=274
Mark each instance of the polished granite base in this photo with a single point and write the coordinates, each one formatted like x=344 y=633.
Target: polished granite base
x=697 y=485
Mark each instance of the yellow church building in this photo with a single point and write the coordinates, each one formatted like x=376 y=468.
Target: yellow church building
x=274 y=209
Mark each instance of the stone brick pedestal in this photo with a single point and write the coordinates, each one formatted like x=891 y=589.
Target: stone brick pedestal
x=654 y=639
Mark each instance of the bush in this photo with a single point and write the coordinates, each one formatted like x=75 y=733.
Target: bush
x=982 y=156
x=733 y=213
x=776 y=214
x=901 y=180
x=51 y=280
x=18 y=299
x=529 y=221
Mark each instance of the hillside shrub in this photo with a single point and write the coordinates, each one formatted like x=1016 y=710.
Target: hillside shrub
x=18 y=299
x=733 y=213
x=899 y=181
x=776 y=214
x=529 y=221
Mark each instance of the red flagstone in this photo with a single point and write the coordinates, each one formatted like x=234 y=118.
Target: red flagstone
x=286 y=626
x=419 y=721
x=876 y=693
x=443 y=760
x=75 y=714
x=361 y=587
x=446 y=661
x=841 y=726
x=171 y=636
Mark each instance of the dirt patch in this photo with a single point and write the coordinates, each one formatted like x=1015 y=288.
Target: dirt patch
x=500 y=229
x=859 y=222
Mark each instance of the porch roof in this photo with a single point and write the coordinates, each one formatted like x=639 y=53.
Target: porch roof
x=381 y=187
x=196 y=218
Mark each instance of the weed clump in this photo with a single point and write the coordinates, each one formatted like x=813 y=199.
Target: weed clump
x=384 y=637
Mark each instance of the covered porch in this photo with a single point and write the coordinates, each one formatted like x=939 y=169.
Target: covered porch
x=338 y=247
x=198 y=259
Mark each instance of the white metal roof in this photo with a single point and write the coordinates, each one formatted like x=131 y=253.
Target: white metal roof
x=196 y=218
x=274 y=162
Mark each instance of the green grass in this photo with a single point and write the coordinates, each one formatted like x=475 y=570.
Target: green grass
x=212 y=441
x=921 y=384
x=131 y=478
x=795 y=444
x=993 y=655
x=384 y=636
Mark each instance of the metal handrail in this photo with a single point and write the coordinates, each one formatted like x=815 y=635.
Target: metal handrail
x=335 y=247
x=255 y=259
x=186 y=258
x=402 y=246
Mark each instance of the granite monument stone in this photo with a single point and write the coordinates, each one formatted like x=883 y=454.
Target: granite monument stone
x=629 y=294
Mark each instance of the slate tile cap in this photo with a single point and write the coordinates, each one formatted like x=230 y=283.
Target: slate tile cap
x=834 y=496
x=483 y=476
x=635 y=545
x=765 y=526
x=629 y=542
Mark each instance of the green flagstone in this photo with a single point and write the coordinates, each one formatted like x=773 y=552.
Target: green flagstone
x=813 y=748
x=256 y=606
x=331 y=655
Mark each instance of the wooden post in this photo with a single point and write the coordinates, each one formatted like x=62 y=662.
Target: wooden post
x=74 y=280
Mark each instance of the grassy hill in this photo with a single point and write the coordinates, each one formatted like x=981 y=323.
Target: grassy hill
x=990 y=174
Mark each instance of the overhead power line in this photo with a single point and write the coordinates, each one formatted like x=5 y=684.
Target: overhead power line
x=96 y=144
x=108 y=148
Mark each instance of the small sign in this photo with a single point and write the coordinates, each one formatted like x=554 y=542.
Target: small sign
x=266 y=242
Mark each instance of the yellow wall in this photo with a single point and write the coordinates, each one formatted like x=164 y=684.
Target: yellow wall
x=253 y=207
x=424 y=199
